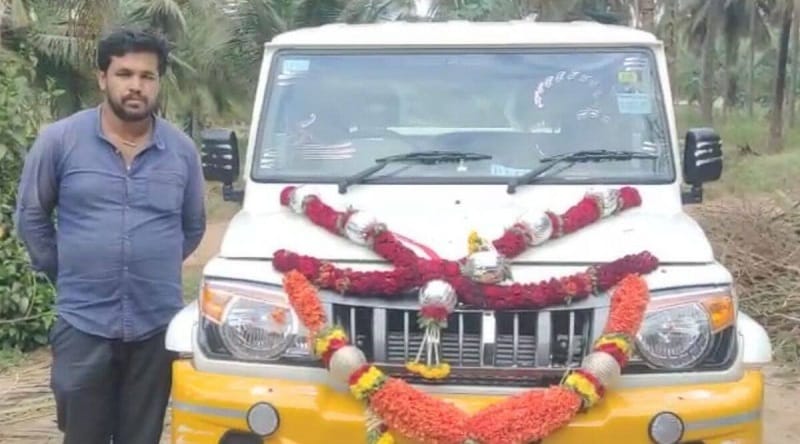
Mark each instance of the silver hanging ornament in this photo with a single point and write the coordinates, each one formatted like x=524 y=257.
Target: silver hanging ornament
x=437 y=301
x=538 y=227
x=361 y=227
x=607 y=200
x=299 y=198
x=486 y=267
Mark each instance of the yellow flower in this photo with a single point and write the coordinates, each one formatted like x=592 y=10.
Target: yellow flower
x=474 y=242
x=584 y=387
x=385 y=438
x=620 y=341
x=439 y=371
x=368 y=382
x=322 y=343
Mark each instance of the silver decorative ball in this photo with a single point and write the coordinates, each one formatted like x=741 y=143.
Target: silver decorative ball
x=358 y=227
x=487 y=267
x=345 y=361
x=604 y=367
x=608 y=200
x=297 y=201
x=438 y=292
x=539 y=226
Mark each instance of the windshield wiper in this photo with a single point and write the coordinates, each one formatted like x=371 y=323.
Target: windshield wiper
x=421 y=157
x=571 y=158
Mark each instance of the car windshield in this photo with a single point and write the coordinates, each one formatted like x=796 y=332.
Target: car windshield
x=328 y=115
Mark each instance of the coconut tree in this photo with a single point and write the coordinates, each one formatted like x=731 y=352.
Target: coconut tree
x=732 y=21
x=201 y=79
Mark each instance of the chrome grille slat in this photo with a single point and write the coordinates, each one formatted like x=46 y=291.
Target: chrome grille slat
x=379 y=334
x=515 y=339
x=461 y=339
x=406 y=335
x=353 y=332
x=571 y=340
x=544 y=329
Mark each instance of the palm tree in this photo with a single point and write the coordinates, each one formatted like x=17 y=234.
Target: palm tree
x=202 y=79
x=732 y=20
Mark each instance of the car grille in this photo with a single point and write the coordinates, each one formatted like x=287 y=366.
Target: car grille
x=482 y=347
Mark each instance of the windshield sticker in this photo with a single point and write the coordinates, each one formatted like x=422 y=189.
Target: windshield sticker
x=294 y=66
x=553 y=80
x=628 y=77
x=633 y=103
x=504 y=171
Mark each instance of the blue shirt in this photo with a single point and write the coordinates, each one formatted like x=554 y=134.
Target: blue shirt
x=121 y=235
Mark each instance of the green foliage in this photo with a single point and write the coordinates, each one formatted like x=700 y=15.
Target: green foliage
x=26 y=300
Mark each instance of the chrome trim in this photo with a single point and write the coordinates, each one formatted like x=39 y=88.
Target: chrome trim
x=328 y=307
x=488 y=338
x=353 y=331
x=523 y=376
x=724 y=421
x=599 y=319
x=515 y=341
x=379 y=334
x=571 y=339
x=544 y=331
x=406 y=339
x=200 y=409
x=460 y=338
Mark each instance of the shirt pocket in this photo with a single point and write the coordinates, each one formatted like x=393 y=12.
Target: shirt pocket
x=165 y=190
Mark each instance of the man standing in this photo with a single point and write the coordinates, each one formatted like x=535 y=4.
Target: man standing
x=128 y=191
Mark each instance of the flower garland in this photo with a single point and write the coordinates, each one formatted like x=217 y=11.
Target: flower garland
x=394 y=404
x=411 y=271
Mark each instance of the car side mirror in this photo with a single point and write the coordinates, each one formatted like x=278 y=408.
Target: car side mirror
x=702 y=161
x=220 y=158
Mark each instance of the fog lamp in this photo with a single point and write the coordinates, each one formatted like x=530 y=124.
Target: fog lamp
x=263 y=419
x=666 y=428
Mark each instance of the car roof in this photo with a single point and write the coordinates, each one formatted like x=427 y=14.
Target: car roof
x=464 y=33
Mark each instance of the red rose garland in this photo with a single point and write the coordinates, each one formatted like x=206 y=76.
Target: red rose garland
x=412 y=271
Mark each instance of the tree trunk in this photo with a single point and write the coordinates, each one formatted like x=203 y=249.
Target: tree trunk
x=647 y=13
x=707 y=69
x=731 y=75
x=795 y=64
x=751 y=59
x=776 y=124
x=671 y=43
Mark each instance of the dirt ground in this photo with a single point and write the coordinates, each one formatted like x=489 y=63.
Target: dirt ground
x=27 y=412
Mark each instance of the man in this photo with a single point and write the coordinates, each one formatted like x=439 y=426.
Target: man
x=128 y=190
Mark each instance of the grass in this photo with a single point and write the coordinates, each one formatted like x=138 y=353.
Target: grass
x=191 y=282
x=10 y=358
x=746 y=174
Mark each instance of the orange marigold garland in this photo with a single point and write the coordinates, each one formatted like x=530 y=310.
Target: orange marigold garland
x=523 y=418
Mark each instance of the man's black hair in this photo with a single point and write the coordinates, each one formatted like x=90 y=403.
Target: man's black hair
x=124 y=41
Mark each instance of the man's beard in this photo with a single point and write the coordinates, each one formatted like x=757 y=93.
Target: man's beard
x=131 y=116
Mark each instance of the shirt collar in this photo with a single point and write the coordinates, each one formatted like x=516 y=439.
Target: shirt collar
x=158 y=129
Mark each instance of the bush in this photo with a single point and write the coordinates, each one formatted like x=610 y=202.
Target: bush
x=26 y=299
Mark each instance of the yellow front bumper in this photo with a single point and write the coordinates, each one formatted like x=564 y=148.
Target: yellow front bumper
x=205 y=406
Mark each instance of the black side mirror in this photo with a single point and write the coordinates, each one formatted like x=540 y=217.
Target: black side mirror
x=702 y=161
x=220 y=157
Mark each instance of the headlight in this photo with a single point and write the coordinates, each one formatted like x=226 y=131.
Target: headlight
x=678 y=332
x=250 y=323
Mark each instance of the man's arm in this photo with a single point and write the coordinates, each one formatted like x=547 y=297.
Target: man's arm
x=194 y=206
x=37 y=196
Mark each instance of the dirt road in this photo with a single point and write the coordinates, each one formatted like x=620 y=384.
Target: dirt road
x=27 y=415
